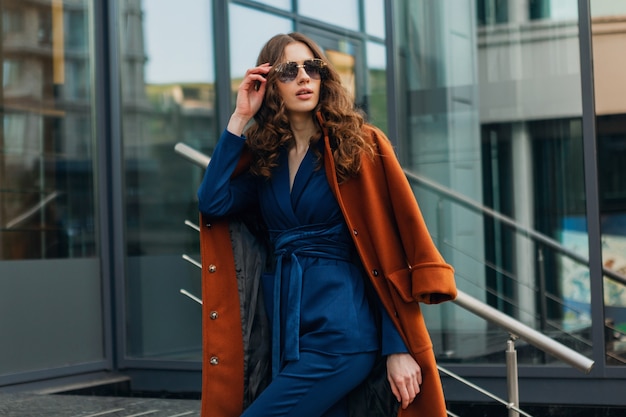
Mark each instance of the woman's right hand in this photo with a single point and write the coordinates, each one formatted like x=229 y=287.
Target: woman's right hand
x=250 y=96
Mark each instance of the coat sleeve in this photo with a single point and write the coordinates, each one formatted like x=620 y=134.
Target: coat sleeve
x=428 y=278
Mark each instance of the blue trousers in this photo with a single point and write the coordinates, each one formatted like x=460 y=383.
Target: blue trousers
x=314 y=386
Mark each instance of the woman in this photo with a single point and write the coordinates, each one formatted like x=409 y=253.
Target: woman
x=350 y=256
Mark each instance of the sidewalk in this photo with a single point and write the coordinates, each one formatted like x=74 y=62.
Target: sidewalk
x=34 y=405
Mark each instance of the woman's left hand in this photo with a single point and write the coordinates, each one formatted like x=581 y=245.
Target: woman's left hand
x=405 y=376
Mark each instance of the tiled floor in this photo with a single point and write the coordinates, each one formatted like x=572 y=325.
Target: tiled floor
x=33 y=405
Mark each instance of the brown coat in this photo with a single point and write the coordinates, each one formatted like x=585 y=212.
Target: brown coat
x=395 y=247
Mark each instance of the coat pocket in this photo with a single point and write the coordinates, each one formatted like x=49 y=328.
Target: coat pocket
x=401 y=280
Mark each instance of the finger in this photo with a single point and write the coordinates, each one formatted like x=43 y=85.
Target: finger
x=402 y=390
x=419 y=375
x=262 y=69
x=418 y=381
x=394 y=389
x=251 y=80
x=412 y=388
x=415 y=389
x=406 y=396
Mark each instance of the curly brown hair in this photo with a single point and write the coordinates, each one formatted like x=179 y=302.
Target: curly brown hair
x=271 y=130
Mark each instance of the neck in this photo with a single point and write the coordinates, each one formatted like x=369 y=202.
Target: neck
x=303 y=129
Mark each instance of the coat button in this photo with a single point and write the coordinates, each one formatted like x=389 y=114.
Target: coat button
x=208 y=225
x=355 y=232
x=213 y=315
x=214 y=360
x=212 y=268
x=375 y=272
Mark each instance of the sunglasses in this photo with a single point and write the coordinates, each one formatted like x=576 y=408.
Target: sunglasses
x=288 y=71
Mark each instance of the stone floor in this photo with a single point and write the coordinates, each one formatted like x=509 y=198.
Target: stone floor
x=498 y=410
x=49 y=405
x=36 y=405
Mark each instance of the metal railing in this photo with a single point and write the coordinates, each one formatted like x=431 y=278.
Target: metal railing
x=524 y=332
x=515 y=328
x=467 y=202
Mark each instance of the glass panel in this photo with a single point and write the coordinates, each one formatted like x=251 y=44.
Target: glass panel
x=50 y=286
x=46 y=172
x=168 y=96
x=376 y=99
x=345 y=65
x=50 y=314
x=375 y=18
x=494 y=114
x=245 y=49
x=609 y=67
x=344 y=13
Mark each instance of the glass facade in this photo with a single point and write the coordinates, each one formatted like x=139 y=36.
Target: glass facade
x=504 y=129
x=484 y=101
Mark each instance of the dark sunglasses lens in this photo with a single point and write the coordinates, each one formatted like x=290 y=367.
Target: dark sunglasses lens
x=313 y=68
x=289 y=72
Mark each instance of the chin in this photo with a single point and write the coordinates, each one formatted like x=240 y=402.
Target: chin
x=301 y=109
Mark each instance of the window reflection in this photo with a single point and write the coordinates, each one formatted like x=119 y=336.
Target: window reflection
x=244 y=48
x=609 y=65
x=377 y=85
x=505 y=131
x=375 y=17
x=341 y=13
x=344 y=64
x=168 y=96
x=489 y=12
x=46 y=172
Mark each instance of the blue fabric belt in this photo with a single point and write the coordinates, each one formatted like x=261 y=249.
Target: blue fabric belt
x=319 y=241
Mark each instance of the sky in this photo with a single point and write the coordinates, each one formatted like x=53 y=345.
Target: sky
x=178 y=41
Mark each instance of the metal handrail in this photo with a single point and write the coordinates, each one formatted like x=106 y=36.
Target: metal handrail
x=467 y=202
x=524 y=332
x=192 y=155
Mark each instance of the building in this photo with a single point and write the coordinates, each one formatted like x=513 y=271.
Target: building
x=515 y=106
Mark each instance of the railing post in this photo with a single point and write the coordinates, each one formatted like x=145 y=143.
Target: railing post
x=511 y=376
x=543 y=304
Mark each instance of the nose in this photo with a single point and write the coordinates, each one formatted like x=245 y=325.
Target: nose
x=303 y=76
